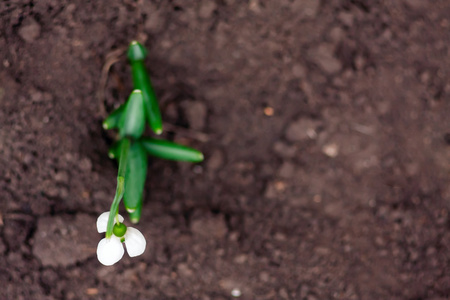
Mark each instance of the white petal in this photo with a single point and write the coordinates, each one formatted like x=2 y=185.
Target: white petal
x=102 y=221
x=135 y=242
x=110 y=251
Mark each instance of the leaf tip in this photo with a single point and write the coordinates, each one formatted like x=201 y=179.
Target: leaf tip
x=201 y=157
x=134 y=220
x=136 y=51
x=130 y=210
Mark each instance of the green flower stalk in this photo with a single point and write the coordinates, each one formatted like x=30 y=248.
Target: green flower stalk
x=114 y=211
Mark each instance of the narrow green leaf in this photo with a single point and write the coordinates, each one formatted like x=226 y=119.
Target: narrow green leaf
x=113 y=120
x=141 y=81
x=134 y=116
x=170 y=150
x=135 y=176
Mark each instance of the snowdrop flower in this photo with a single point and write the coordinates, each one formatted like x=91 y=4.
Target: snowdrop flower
x=110 y=250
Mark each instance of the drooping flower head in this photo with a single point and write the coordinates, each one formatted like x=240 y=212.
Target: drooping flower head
x=110 y=250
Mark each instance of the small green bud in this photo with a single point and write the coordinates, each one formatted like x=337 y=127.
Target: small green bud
x=119 y=229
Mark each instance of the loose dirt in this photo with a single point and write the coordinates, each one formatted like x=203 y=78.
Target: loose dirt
x=325 y=126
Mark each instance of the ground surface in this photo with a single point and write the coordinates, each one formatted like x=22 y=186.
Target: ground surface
x=342 y=193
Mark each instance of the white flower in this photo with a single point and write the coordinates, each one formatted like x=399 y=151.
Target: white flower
x=110 y=250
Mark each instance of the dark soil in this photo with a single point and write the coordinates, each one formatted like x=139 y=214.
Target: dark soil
x=326 y=131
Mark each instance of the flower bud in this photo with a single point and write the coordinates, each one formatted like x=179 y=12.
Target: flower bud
x=119 y=229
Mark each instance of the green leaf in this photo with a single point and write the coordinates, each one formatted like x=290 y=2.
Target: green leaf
x=134 y=116
x=141 y=81
x=113 y=120
x=135 y=215
x=170 y=150
x=135 y=175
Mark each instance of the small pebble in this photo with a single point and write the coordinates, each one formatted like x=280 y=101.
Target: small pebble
x=268 y=111
x=92 y=291
x=30 y=30
x=236 y=293
x=331 y=150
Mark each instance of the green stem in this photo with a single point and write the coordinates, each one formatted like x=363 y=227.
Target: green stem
x=120 y=187
x=126 y=143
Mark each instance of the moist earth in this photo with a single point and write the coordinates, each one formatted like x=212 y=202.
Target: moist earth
x=325 y=128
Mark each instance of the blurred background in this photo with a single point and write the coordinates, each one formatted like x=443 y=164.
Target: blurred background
x=325 y=126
